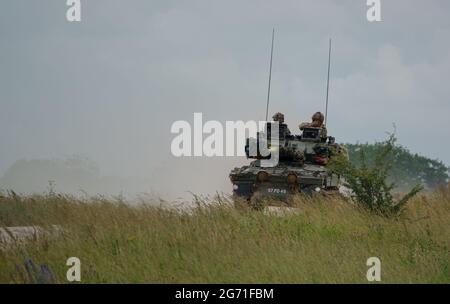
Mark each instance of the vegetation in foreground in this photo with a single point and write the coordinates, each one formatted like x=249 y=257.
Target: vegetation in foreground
x=327 y=241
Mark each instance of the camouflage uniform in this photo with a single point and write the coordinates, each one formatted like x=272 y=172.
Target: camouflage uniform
x=284 y=130
x=317 y=122
x=286 y=153
x=278 y=117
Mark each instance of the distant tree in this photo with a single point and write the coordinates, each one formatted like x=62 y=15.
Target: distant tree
x=407 y=169
x=39 y=175
x=73 y=175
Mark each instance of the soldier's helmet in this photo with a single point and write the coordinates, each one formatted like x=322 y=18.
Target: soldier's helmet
x=278 y=117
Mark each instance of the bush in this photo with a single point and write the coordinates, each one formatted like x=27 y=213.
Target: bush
x=369 y=181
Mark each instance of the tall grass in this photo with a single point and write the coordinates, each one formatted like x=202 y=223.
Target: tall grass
x=327 y=241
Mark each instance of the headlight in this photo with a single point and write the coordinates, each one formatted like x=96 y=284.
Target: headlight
x=317 y=189
x=235 y=187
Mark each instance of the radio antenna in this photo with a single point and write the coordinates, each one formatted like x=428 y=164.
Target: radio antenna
x=328 y=81
x=270 y=75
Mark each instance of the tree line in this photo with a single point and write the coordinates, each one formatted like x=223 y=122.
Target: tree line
x=406 y=168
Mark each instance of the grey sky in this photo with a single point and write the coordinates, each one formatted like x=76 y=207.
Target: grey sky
x=110 y=87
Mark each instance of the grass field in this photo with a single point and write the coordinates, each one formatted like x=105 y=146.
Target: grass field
x=328 y=241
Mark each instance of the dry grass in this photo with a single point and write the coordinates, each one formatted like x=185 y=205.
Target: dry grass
x=327 y=241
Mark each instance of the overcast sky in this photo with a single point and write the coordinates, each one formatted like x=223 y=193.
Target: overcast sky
x=110 y=86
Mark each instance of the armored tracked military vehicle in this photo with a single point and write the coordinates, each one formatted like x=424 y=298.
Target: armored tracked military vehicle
x=301 y=169
x=301 y=166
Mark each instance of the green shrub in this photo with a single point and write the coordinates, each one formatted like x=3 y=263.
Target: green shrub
x=369 y=181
